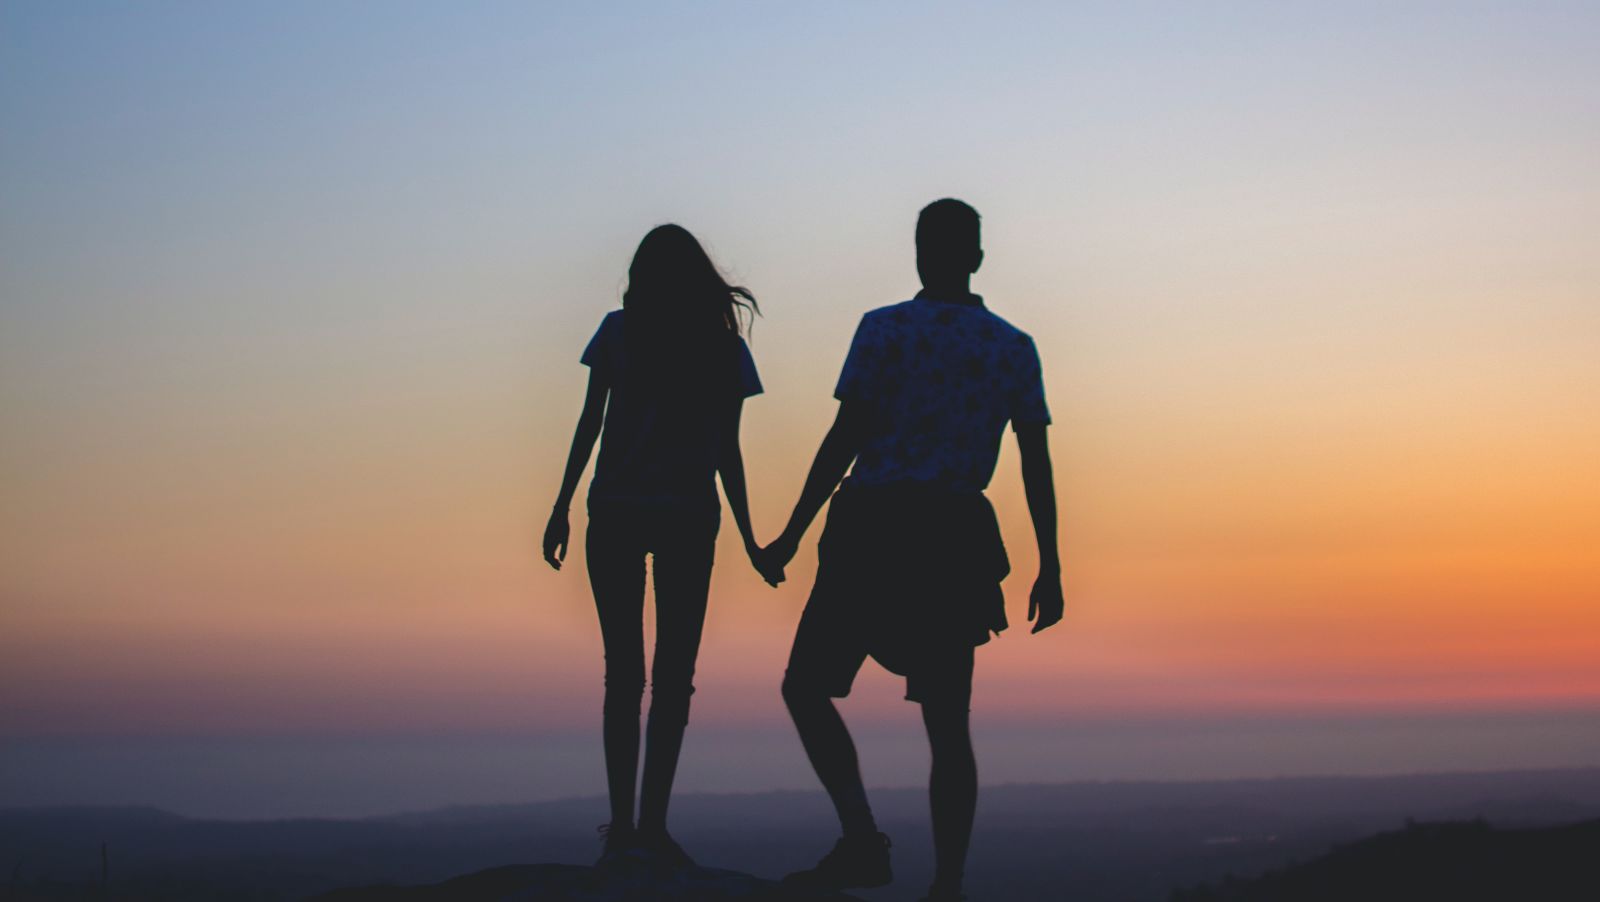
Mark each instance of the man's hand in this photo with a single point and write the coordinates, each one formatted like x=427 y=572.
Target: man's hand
x=556 y=533
x=1045 y=603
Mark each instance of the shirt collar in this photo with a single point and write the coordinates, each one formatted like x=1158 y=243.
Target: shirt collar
x=971 y=300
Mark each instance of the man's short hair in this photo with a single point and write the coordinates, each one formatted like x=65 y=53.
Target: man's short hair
x=947 y=228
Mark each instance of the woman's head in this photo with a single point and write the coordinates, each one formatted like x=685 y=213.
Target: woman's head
x=674 y=283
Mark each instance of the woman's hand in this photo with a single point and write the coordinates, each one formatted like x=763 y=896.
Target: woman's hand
x=1045 y=602
x=556 y=533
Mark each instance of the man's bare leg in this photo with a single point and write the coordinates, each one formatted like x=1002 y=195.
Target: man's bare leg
x=861 y=857
x=833 y=756
x=952 y=791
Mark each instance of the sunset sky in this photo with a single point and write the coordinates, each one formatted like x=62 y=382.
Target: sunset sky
x=292 y=297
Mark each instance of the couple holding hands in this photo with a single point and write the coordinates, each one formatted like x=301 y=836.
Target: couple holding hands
x=910 y=559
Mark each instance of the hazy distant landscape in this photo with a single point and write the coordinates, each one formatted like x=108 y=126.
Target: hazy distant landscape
x=1086 y=841
x=254 y=777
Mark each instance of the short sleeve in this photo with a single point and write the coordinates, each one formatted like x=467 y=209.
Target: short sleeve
x=601 y=353
x=858 y=377
x=1027 y=401
x=749 y=381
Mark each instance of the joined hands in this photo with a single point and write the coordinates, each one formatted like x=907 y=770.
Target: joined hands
x=771 y=560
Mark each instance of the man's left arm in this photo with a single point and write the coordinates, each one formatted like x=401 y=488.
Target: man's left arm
x=1045 y=602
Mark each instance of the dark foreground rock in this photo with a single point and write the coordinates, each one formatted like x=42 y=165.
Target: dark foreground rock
x=573 y=883
x=1450 y=862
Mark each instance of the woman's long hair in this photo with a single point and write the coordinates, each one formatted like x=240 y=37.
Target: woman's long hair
x=682 y=319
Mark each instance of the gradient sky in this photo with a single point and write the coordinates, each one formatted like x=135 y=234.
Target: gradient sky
x=292 y=295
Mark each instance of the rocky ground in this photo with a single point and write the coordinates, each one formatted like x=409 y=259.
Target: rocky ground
x=635 y=881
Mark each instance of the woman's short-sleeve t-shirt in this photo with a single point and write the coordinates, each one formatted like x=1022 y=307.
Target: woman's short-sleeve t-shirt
x=658 y=446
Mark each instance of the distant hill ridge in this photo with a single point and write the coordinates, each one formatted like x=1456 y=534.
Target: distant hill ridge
x=1576 y=788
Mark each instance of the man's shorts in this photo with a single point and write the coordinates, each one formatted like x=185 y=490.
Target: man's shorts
x=909 y=577
x=827 y=655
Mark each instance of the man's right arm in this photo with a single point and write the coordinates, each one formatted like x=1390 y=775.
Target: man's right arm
x=839 y=449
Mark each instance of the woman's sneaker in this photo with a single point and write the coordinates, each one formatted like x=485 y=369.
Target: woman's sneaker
x=856 y=862
x=616 y=840
x=662 y=849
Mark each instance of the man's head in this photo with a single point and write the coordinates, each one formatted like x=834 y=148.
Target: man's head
x=948 y=246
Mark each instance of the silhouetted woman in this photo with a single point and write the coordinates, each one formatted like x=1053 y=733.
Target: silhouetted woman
x=668 y=375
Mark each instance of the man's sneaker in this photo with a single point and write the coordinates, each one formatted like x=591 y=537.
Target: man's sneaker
x=662 y=849
x=616 y=841
x=855 y=863
x=938 y=893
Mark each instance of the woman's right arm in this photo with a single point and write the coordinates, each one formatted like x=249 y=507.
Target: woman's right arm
x=557 y=531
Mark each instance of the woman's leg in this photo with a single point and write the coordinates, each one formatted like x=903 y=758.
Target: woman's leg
x=616 y=573
x=683 y=582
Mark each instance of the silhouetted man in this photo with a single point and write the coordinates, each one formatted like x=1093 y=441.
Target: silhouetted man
x=910 y=561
